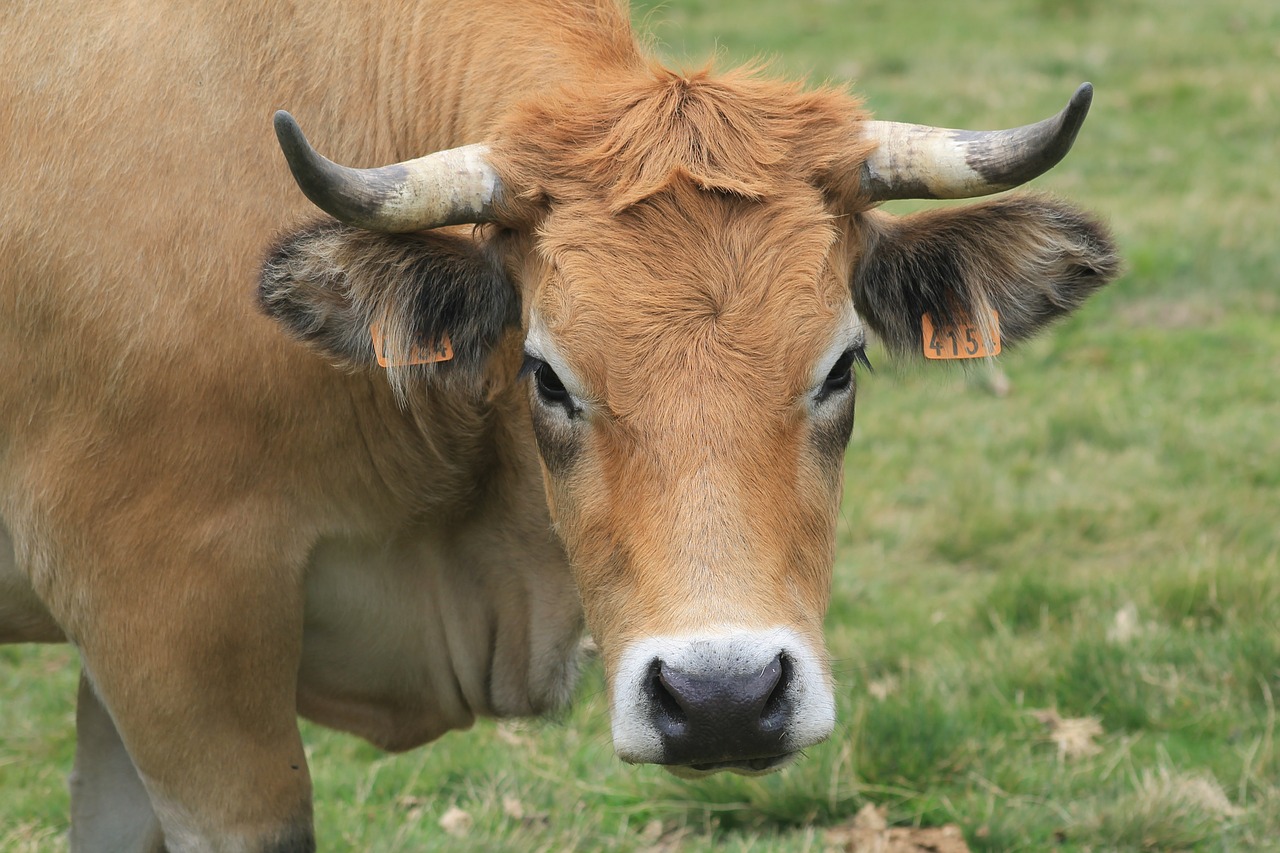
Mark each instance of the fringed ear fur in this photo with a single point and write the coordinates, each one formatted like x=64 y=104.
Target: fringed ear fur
x=1030 y=258
x=329 y=283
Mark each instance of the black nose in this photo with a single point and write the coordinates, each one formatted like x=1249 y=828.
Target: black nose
x=716 y=717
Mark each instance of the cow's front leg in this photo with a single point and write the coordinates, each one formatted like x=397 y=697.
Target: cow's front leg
x=199 y=679
x=110 y=809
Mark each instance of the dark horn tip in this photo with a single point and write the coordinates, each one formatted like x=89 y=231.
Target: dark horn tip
x=283 y=122
x=1066 y=125
x=1081 y=100
x=319 y=179
x=1077 y=108
x=290 y=136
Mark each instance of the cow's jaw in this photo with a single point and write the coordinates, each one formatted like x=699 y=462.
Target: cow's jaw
x=745 y=701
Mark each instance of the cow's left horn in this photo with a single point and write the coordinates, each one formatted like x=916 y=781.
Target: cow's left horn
x=452 y=187
x=917 y=161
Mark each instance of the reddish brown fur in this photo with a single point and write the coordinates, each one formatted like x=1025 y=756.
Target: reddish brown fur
x=724 y=284
x=684 y=339
x=628 y=138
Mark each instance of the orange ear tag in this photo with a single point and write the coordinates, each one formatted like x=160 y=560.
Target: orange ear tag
x=962 y=341
x=442 y=350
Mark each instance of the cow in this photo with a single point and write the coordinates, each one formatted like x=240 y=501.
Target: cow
x=622 y=309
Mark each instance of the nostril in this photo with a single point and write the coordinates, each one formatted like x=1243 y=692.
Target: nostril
x=668 y=714
x=773 y=716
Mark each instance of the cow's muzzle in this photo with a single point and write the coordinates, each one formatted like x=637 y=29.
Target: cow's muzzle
x=739 y=701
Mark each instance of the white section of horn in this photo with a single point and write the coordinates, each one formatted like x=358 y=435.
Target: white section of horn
x=452 y=187
x=919 y=161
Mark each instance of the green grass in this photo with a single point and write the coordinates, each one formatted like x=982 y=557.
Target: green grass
x=1103 y=541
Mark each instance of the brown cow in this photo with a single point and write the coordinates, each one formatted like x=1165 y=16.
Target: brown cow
x=654 y=318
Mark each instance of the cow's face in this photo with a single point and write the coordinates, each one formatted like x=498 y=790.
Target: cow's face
x=691 y=263
x=691 y=380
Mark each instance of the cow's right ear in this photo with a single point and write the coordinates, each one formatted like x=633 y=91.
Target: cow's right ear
x=329 y=284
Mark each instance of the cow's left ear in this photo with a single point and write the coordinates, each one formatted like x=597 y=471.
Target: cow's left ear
x=1030 y=258
x=329 y=284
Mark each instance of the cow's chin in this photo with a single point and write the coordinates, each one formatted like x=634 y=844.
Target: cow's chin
x=749 y=767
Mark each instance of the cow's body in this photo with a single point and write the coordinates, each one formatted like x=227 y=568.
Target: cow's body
x=233 y=531
x=164 y=449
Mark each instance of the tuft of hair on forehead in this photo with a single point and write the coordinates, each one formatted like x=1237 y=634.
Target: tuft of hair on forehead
x=629 y=139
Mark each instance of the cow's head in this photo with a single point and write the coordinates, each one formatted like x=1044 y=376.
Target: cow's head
x=695 y=263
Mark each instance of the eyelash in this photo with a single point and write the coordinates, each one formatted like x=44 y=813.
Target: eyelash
x=841 y=375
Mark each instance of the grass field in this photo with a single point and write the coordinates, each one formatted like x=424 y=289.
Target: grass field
x=1103 y=542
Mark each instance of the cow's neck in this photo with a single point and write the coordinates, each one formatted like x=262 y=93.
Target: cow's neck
x=452 y=616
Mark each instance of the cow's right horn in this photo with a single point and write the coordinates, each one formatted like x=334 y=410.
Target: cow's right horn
x=452 y=187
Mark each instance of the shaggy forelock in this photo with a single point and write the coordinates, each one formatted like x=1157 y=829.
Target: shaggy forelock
x=627 y=141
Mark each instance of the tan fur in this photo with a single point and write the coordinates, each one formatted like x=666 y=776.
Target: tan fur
x=697 y=314
x=687 y=341
x=231 y=530
x=633 y=134
x=168 y=458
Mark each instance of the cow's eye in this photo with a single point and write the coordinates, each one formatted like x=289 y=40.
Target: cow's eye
x=549 y=386
x=841 y=375
x=550 y=389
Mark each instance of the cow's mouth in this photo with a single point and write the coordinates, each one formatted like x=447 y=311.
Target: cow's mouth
x=744 y=767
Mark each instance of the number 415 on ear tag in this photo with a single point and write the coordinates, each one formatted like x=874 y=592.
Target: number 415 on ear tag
x=439 y=351
x=964 y=340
